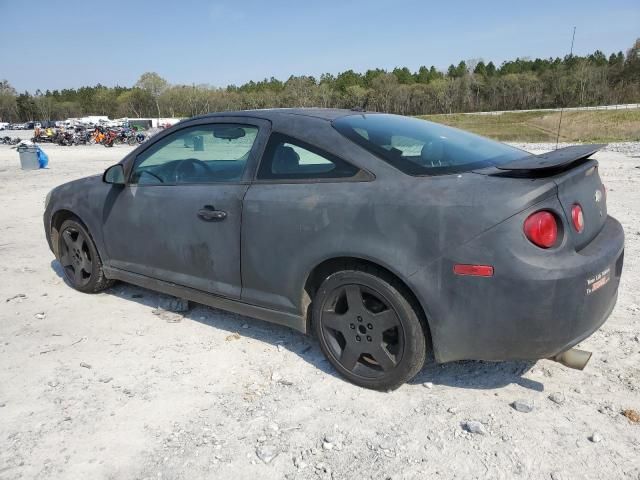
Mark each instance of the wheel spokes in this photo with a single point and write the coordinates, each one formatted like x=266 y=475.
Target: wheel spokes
x=333 y=320
x=354 y=298
x=77 y=275
x=349 y=357
x=80 y=242
x=86 y=264
x=384 y=358
x=68 y=239
x=385 y=320
x=358 y=324
x=65 y=259
x=75 y=256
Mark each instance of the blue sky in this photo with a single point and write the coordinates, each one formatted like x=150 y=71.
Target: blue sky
x=52 y=44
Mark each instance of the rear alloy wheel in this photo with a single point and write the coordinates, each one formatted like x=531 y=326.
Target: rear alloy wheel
x=368 y=329
x=79 y=258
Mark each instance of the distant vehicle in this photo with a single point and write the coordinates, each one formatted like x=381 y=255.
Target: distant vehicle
x=4 y=125
x=384 y=235
x=140 y=124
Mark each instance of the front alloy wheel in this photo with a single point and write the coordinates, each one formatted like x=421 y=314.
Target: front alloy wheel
x=79 y=258
x=75 y=256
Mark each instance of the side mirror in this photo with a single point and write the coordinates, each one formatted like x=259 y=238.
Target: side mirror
x=114 y=175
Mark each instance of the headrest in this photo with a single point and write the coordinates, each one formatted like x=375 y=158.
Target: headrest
x=285 y=160
x=432 y=152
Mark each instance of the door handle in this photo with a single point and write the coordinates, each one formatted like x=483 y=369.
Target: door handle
x=208 y=212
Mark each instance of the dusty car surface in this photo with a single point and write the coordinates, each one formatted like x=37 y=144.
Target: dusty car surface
x=386 y=236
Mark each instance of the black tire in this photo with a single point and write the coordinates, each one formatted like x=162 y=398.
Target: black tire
x=377 y=340
x=79 y=258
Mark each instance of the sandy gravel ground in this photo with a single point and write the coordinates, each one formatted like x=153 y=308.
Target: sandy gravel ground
x=98 y=386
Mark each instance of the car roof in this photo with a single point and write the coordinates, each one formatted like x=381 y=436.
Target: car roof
x=328 y=114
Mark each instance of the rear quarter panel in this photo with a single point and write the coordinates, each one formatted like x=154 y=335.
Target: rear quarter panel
x=400 y=222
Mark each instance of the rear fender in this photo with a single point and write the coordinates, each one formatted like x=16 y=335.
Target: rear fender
x=446 y=296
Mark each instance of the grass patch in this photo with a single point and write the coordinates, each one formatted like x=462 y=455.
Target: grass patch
x=580 y=126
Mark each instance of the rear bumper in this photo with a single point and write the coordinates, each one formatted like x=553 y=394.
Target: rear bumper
x=535 y=306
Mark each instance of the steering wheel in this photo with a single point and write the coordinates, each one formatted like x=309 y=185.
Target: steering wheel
x=189 y=168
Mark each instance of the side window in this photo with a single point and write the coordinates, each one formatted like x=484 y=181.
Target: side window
x=201 y=154
x=288 y=158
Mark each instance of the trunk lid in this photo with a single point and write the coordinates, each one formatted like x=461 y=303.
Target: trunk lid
x=578 y=182
x=582 y=186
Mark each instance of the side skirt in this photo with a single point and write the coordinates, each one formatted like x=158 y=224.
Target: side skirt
x=291 y=320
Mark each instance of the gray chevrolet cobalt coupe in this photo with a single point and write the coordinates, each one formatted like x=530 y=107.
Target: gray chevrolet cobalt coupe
x=385 y=236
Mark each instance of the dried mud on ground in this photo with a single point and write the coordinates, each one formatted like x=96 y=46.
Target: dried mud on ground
x=108 y=387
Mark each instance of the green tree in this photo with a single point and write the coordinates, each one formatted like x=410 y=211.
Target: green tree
x=481 y=69
x=154 y=85
x=632 y=63
x=8 y=104
x=422 y=76
x=404 y=75
x=26 y=107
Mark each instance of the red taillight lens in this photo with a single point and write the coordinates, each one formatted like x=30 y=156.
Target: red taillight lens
x=541 y=229
x=577 y=217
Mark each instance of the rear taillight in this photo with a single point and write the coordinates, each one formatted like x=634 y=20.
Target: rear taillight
x=577 y=217
x=541 y=228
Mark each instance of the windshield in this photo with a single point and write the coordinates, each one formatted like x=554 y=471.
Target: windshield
x=419 y=147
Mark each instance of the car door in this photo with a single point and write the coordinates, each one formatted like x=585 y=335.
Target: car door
x=178 y=217
x=301 y=203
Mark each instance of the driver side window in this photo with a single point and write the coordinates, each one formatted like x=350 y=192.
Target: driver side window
x=201 y=154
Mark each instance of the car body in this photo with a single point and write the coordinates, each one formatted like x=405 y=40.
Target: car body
x=447 y=234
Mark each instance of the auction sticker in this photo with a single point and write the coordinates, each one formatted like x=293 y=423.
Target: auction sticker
x=598 y=281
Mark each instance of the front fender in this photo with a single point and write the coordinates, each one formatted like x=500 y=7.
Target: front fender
x=85 y=198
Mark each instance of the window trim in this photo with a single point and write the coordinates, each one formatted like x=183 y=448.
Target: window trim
x=255 y=151
x=360 y=174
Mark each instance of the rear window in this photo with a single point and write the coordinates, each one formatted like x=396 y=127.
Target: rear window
x=420 y=147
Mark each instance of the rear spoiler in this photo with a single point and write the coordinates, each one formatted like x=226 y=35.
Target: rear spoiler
x=559 y=159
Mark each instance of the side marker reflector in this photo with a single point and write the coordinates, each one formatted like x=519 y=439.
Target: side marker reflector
x=474 y=270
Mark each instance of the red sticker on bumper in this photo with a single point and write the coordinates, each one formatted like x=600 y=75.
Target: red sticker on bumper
x=598 y=281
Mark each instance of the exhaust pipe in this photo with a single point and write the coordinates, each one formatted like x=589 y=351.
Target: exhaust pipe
x=573 y=358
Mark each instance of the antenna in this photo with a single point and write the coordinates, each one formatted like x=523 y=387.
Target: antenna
x=573 y=37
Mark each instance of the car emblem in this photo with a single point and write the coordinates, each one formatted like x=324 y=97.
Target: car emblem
x=598 y=196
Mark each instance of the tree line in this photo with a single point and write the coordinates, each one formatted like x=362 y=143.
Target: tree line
x=469 y=86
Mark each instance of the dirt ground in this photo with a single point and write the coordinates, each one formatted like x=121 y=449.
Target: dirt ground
x=100 y=387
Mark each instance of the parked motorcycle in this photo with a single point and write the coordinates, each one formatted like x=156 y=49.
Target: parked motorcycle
x=81 y=136
x=10 y=141
x=98 y=135
x=65 y=139
x=128 y=136
x=110 y=138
